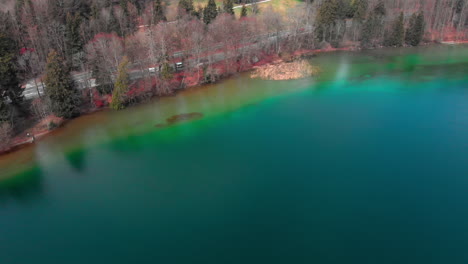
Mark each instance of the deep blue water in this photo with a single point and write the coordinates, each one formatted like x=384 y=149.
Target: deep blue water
x=353 y=169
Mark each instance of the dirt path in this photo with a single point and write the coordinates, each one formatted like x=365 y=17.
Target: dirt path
x=260 y=2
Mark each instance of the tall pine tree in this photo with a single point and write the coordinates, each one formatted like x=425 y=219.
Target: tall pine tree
x=396 y=35
x=360 y=9
x=373 y=26
x=5 y=111
x=415 y=30
x=243 y=11
x=130 y=21
x=158 y=12
x=60 y=88
x=9 y=82
x=186 y=5
x=95 y=12
x=210 y=12
x=326 y=20
x=73 y=39
x=120 y=85
x=368 y=31
x=124 y=6
x=380 y=9
x=228 y=7
x=419 y=28
x=113 y=25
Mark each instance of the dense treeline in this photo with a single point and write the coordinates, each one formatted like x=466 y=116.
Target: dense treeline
x=46 y=40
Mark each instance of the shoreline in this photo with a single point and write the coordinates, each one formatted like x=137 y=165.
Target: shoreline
x=21 y=140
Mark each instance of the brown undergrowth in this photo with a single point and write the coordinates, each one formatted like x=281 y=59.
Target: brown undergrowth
x=280 y=70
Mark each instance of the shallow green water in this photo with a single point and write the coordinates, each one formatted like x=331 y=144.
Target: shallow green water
x=367 y=163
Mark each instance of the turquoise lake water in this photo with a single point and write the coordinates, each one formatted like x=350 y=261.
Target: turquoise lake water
x=366 y=163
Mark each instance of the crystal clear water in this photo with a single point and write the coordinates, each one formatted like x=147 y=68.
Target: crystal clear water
x=367 y=163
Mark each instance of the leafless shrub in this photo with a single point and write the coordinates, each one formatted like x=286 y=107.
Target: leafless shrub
x=40 y=108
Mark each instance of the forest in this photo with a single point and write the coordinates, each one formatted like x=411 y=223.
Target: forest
x=77 y=56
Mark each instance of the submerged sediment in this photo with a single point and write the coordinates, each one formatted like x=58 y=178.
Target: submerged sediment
x=180 y=118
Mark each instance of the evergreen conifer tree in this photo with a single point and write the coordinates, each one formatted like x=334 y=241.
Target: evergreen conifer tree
x=138 y=4
x=415 y=30
x=459 y=6
x=409 y=37
x=187 y=5
x=158 y=12
x=95 y=12
x=60 y=88
x=129 y=21
x=397 y=34
x=345 y=9
x=166 y=71
x=9 y=82
x=5 y=113
x=120 y=85
x=73 y=39
x=182 y=4
x=107 y=3
x=328 y=12
x=124 y=6
x=360 y=9
x=327 y=15
x=114 y=25
x=198 y=13
x=228 y=7
x=379 y=9
x=368 y=31
x=244 y=11
x=373 y=25
x=420 y=28
x=19 y=8
x=210 y=12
